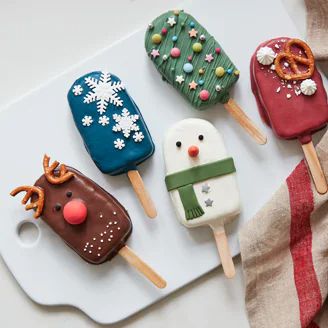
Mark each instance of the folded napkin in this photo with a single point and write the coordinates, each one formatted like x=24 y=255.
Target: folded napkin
x=317 y=27
x=284 y=249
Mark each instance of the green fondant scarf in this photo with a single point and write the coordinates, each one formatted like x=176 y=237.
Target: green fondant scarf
x=184 y=180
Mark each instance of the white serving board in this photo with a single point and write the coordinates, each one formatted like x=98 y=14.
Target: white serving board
x=48 y=271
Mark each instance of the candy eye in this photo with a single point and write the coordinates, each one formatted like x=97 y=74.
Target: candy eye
x=57 y=207
x=201 y=137
x=69 y=194
x=178 y=144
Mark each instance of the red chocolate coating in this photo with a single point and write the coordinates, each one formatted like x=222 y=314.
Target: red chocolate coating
x=297 y=117
x=106 y=227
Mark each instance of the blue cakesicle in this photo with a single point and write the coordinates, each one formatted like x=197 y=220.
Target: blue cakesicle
x=110 y=123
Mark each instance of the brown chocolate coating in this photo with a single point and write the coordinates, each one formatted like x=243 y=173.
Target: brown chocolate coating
x=106 y=228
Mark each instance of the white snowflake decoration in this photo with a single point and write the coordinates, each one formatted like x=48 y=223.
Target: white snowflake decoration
x=103 y=120
x=77 y=90
x=103 y=91
x=87 y=120
x=125 y=123
x=119 y=143
x=138 y=137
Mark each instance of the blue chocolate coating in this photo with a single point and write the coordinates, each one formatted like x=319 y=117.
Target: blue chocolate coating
x=99 y=139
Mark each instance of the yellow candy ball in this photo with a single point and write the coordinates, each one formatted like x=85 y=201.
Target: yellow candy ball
x=236 y=72
x=219 y=71
x=201 y=71
x=156 y=38
x=197 y=47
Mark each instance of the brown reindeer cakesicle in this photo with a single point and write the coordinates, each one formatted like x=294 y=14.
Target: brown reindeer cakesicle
x=89 y=220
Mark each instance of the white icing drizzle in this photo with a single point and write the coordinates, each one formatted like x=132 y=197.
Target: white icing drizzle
x=308 y=87
x=265 y=56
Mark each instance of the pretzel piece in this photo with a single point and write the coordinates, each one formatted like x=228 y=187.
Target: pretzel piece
x=30 y=190
x=293 y=61
x=62 y=176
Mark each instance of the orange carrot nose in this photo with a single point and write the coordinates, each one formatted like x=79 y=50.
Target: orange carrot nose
x=193 y=151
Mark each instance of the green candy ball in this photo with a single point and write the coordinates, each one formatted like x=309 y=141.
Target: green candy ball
x=197 y=47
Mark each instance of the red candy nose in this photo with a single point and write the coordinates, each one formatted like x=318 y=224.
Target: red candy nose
x=193 y=151
x=75 y=211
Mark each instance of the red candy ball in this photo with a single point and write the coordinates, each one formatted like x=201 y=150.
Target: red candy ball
x=189 y=58
x=164 y=31
x=217 y=50
x=204 y=95
x=193 y=151
x=175 y=52
x=75 y=211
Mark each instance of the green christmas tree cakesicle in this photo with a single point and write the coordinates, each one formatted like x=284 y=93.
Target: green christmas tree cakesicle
x=190 y=59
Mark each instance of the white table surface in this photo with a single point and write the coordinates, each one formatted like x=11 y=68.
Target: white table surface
x=41 y=38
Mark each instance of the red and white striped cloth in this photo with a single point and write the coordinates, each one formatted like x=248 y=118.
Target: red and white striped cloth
x=284 y=250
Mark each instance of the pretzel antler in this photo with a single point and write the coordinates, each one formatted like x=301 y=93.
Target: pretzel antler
x=30 y=190
x=62 y=176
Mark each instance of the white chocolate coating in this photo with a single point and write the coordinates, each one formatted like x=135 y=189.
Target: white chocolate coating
x=223 y=190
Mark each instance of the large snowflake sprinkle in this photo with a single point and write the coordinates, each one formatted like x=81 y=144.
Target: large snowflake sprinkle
x=125 y=123
x=103 y=91
x=119 y=144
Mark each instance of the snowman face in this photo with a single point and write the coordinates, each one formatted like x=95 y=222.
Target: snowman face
x=192 y=142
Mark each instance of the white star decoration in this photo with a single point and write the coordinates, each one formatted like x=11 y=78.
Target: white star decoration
x=209 y=202
x=87 y=120
x=179 y=79
x=138 y=137
x=77 y=90
x=119 y=144
x=103 y=120
x=103 y=91
x=125 y=123
x=171 y=21
x=206 y=188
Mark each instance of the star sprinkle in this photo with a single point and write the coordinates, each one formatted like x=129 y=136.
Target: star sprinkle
x=193 y=85
x=193 y=33
x=206 y=188
x=155 y=53
x=209 y=202
x=171 y=21
x=209 y=58
x=179 y=79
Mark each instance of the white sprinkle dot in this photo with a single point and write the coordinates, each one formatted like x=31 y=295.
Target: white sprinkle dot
x=98 y=254
x=101 y=216
x=107 y=226
x=101 y=234
x=109 y=239
x=111 y=231
x=288 y=95
x=286 y=64
x=278 y=90
x=114 y=213
x=90 y=252
x=115 y=222
x=101 y=240
x=111 y=236
x=91 y=246
x=118 y=228
x=289 y=86
x=87 y=243
x=105 y=232
x=85 y=250
x=99 y=248
x=94 y=238
x=110 y=223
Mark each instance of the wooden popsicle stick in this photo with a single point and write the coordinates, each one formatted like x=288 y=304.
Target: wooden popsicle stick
x=224 y=251
x=315 y=167
x=142 y=193
x=133 y=259
x=245 y=122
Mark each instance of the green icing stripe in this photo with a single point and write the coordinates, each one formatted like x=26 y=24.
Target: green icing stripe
x=172 y=67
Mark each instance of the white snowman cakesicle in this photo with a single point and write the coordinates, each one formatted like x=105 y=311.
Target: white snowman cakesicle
x=201 y=179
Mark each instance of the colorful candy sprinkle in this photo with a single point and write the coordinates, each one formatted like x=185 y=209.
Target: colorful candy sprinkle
x=156 y=38
x=204 y=95
x=188 y=68
x=219 y=71
x=200 y=82
x=175 y=52
x=229 y=70
x=217 y=50
x=197 y=47
x=192 y=24
x=202 y=38
x=164 y=31
x=174 y=38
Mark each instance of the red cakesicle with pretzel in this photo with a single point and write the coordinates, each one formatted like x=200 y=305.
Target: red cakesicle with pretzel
x=290 y=95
